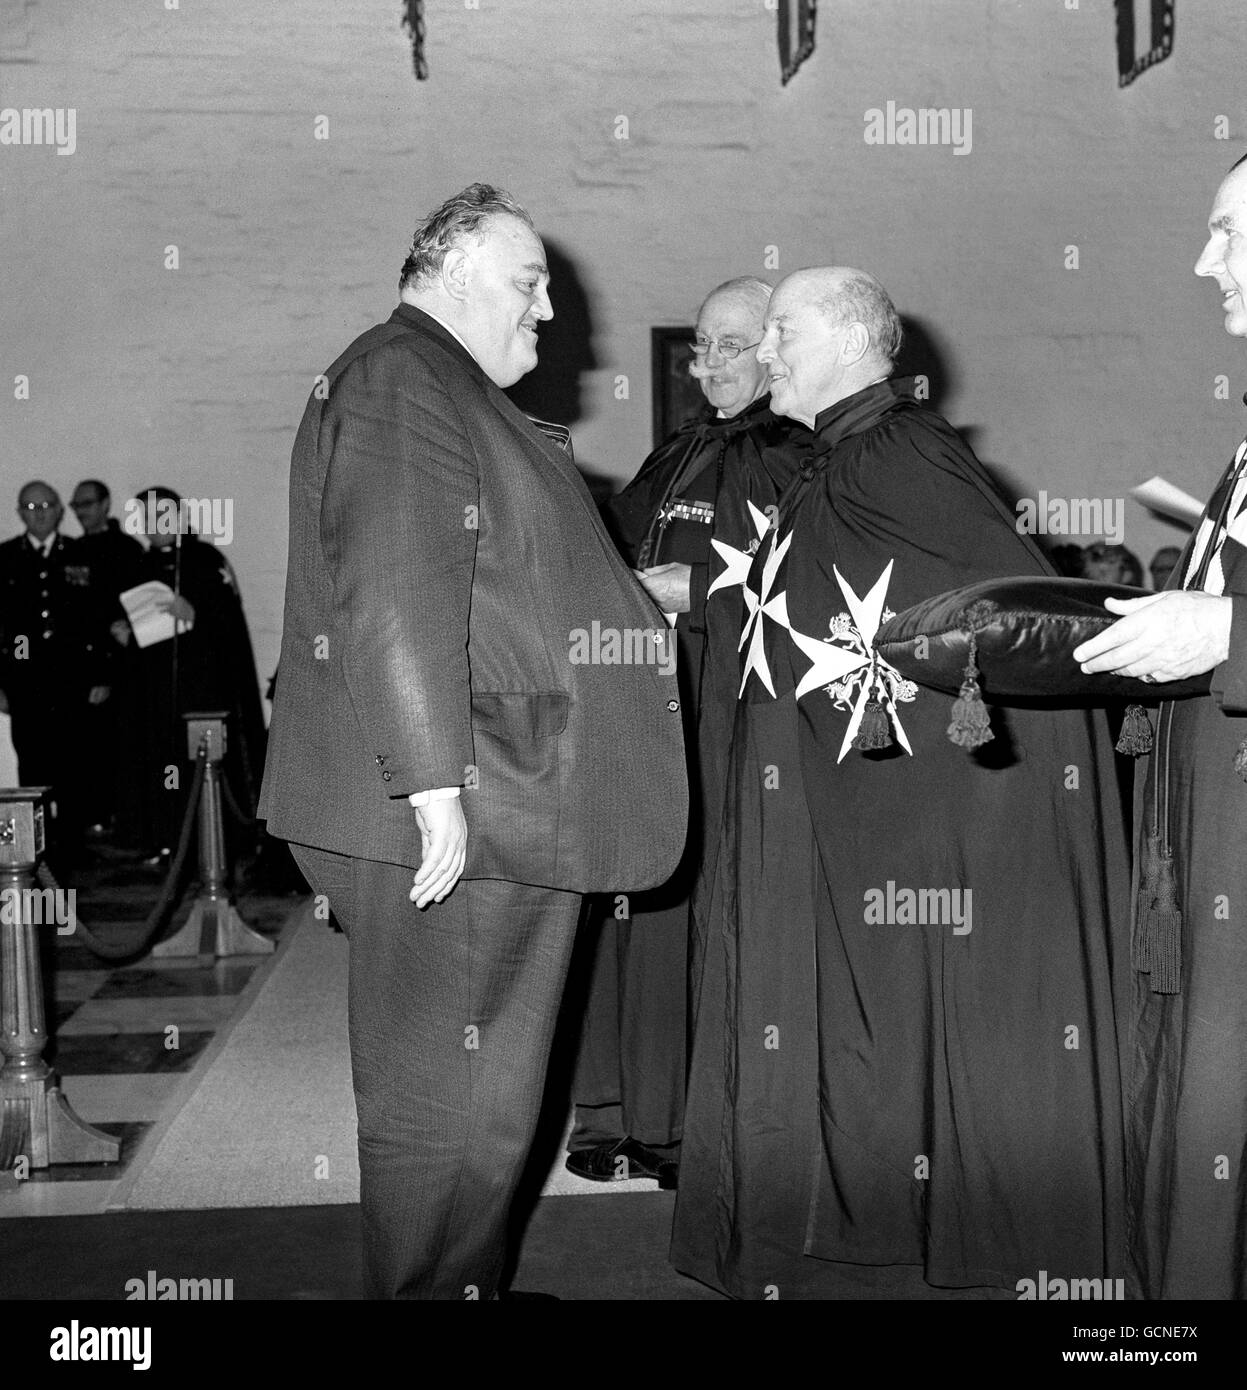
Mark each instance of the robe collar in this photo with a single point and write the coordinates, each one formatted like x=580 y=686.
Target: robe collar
x=711 y=426
x=860 y=411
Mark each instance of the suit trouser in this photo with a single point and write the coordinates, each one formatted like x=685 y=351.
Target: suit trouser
x=451 y=1015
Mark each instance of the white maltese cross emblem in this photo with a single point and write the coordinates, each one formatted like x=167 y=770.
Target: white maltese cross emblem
x=848 y=668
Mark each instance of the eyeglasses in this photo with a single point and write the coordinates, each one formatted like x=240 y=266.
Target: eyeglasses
x=86 y=502
x=730 y=351
x=37 y=506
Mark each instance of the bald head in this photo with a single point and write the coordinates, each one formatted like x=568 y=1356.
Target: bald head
x=848 y=296
x=830 y=331
x=39 y=509
x=730 y=318
x=818 y=284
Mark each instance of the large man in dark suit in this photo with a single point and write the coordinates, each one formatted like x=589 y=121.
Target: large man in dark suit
x=459 y=634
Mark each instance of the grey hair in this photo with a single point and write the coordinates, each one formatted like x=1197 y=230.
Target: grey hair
x=459 y=217
x=860 y=298
x=757 y=293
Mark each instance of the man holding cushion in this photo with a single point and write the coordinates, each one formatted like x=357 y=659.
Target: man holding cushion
x=906 y=1049
x=1188 y=1095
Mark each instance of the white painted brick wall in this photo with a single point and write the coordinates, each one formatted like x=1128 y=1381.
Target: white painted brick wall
x=195 y=128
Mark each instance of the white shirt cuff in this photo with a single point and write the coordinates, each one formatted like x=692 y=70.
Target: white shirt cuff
x=437 y=794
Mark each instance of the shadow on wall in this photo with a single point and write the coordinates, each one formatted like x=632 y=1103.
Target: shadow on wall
x=565 y=347
x=925 y=353
x=552 y=390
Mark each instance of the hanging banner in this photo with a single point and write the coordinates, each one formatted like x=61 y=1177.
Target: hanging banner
x=796 y=35
x=413 y=22
x=1130 y=63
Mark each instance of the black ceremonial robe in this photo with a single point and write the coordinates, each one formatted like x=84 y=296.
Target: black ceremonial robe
x=906 y=1045
x=748 y=503
x=630 y=1074
x=743 y=465
x=1188 y=1105
x=209 y=667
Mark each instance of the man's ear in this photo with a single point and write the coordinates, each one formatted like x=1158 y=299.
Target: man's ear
x=455 y=273
x=856 y=344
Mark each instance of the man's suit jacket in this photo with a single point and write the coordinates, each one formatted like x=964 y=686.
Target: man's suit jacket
x=443 y=553
x=53 y=629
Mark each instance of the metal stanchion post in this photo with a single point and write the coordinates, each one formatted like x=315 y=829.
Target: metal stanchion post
x=214 y=927
x=38 y=1122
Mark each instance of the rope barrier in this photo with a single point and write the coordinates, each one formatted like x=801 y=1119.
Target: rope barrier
x=155 y=919
x=231 y=804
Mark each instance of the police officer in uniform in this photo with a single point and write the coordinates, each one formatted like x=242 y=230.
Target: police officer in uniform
x=53 y=661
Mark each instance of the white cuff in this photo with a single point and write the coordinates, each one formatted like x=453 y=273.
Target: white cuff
x=437 y=794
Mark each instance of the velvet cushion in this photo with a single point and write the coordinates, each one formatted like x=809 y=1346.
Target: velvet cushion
x=1025 y=631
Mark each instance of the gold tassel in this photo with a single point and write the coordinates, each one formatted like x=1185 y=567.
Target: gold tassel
x=1136 y=732
x=1166 y=932
x=1157 y=946
x=875 y=730
x=1142 y=943
x=971 y=722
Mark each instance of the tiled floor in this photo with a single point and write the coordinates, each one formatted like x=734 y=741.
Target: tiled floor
x=126 y=1042
x=124 y=1037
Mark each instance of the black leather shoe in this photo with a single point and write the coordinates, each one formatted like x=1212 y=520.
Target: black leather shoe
x=615 y=1160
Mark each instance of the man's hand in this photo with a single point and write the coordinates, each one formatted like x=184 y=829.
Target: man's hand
x=120 y=631
x=445 y=836
x=98 y=694
x=181 y=608
x=667 y=585
x=1164 y=637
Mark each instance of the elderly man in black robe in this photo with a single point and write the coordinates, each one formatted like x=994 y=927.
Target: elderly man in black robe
x=1188 y=1095
x=207 y=665
x=906 y=1047
x=688 y=522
